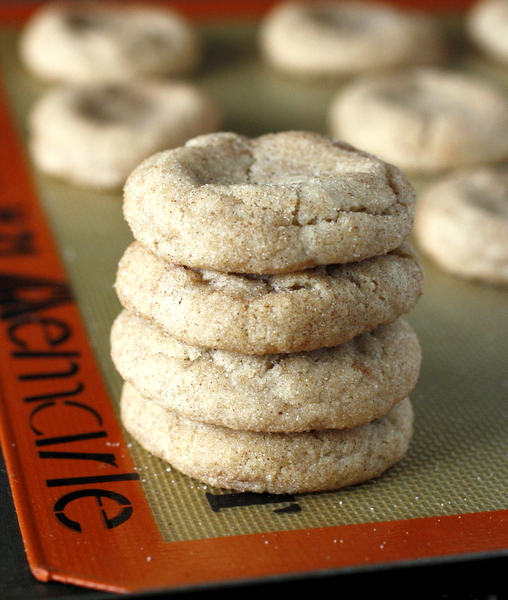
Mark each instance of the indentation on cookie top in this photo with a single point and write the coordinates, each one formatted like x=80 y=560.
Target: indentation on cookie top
x=152 y=49
x=111 y=104
x=431 y=91
x=228 y=165
x=341 y=21
x=157 y=41
x=413 y=94
x=82 y=23
x=487 y=191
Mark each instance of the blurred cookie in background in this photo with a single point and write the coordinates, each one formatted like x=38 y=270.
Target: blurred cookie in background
x=84 y=42
x=461 y=223
x=94 y=135
x=424 y=119
x=340 y=39
x=487 y=26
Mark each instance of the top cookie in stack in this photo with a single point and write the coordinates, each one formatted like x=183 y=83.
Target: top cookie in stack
x=261 y=341
x=276 y=204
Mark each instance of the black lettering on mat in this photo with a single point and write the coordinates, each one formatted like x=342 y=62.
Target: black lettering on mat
x=219 y=502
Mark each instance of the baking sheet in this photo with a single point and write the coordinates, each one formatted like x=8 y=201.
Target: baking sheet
x=448 y=496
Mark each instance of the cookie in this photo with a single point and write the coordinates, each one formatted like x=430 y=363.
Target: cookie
x=487 y=26
x=293 y=312
x=95 y=135
x=424 y=120
x=276 y=463
x=105 y=42
x=277 y=203
x=333 y=388
x=461 y=223
x=346 y=38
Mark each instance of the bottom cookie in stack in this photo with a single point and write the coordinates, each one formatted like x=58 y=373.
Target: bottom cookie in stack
x=276 y=463
x=279 y=423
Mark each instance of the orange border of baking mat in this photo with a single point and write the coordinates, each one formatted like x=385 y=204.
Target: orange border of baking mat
x=82 y=511
x=203 y=9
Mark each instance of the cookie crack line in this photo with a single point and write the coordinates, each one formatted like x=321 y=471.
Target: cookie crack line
x=296 y=210
x=298 y=187
x=298 y=193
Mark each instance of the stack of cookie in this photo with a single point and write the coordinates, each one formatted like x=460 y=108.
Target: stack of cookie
x=261 y=339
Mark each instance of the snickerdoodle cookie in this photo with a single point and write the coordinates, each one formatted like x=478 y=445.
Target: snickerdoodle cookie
x=95 y=135
x=424 y=120
x=326 y=38
x=269 y=462
x=83 y=42
x=329 y=388
x=487 y=25
x=277 y=203
x=292 y=312
x=461 y=222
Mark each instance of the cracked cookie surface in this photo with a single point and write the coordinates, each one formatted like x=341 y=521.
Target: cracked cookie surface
x=269 y=462
x=329 y=388
x=292 y=312
x=274 y=204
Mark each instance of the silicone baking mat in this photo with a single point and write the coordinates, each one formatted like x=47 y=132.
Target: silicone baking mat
x=85 y=492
